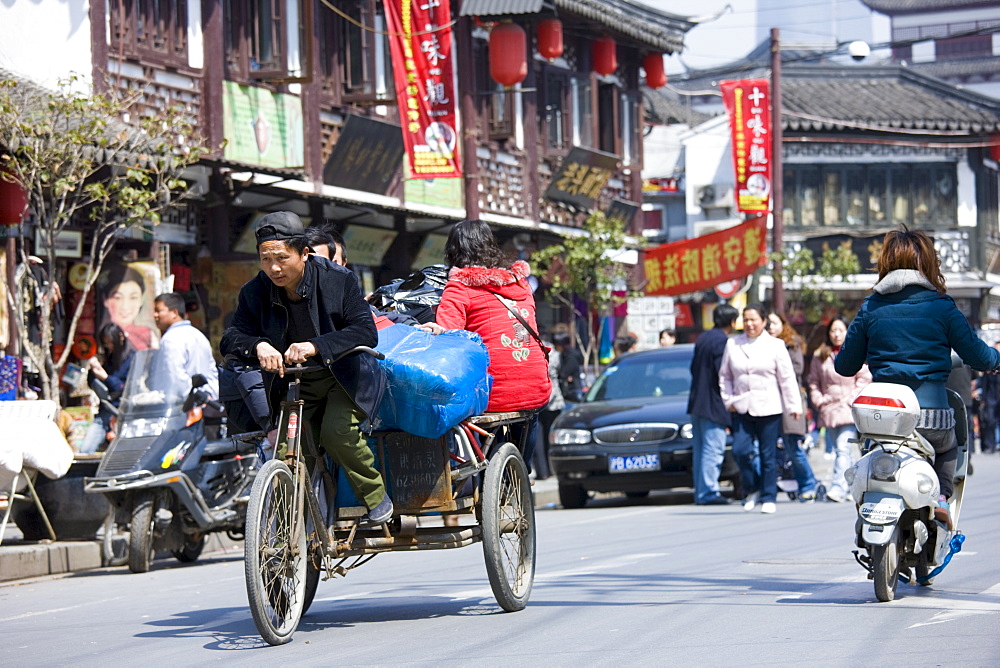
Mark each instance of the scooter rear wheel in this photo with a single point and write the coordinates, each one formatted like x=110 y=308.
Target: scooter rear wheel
x=885 y=567
x=275 y=548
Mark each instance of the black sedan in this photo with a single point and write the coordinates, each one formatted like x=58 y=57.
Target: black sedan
x=632 y=433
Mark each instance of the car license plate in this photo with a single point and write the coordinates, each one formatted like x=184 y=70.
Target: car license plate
x=628 y=464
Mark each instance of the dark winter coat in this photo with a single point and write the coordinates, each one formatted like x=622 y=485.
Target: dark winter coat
x=705 y=399
x=906 y=332
x=339 y=314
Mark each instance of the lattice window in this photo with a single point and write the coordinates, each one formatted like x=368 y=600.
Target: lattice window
x=149 y=30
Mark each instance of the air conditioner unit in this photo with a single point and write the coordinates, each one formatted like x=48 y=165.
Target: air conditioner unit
x=715 y=196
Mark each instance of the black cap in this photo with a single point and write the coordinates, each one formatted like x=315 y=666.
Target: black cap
x=279 y=226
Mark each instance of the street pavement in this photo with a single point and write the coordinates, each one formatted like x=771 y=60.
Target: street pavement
x=620 y=582
x=21 y=559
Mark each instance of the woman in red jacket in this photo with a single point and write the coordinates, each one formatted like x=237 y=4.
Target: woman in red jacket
x=482 y=293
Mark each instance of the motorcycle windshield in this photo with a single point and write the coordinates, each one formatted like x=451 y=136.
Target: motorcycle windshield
x=150 y=390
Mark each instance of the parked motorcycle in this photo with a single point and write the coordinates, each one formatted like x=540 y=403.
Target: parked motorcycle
x=170 y=485
x=896 y=489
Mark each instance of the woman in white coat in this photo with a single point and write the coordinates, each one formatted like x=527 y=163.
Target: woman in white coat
x=758 y=385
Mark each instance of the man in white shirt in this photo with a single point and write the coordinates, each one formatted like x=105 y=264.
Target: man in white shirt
x=184 y=351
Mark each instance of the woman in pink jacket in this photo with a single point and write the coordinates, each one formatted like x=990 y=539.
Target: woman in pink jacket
x=832 y=394
x=758 y=385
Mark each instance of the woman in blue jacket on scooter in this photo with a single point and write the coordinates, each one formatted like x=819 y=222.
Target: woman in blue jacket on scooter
x=906 y=331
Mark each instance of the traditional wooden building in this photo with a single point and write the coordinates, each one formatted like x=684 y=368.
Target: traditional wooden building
x=866 y=149
x=296 y=99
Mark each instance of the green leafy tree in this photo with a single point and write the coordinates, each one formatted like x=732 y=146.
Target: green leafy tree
x=586 y=265
x=808 y=282
x=100 y=163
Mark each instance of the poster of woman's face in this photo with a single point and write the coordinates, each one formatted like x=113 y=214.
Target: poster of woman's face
x=125 y=295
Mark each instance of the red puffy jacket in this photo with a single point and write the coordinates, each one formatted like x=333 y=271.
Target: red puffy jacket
x=517 y=363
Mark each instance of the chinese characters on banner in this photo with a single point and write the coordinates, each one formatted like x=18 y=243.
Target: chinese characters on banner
x=581 y=178
x=421 y=46
x=748 y=103
x=697 y=264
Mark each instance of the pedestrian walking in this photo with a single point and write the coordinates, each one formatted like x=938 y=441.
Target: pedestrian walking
x=548 y=415
x=571 y=378
x=793 y=430
x=758 y=386
x=988 y=387
x=832 y=394
x=709 y=417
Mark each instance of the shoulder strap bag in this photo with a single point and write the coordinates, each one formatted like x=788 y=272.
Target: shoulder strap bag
x=531 y=330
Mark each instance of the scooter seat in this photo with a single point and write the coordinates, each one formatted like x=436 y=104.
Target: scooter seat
x=228 y=448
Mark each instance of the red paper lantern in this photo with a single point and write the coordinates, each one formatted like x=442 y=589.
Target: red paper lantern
x=994 y=147
x=550 y=39
x=653 y=64
x=508 y=54
x=604 y=53
x=13 y=202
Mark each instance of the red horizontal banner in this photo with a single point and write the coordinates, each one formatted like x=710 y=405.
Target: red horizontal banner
x=698 y=264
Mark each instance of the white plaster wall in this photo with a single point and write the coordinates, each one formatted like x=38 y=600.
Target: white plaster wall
x=923 y=52
x=708 y=160
x=46 y=40
x=196 y=39
x=966 y=194
x=662 y=151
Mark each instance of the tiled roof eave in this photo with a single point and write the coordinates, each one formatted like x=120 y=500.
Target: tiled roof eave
x=955 y=129
x=648 y=27
x=649 y=32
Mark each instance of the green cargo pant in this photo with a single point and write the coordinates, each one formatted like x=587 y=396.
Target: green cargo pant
x=334 y=419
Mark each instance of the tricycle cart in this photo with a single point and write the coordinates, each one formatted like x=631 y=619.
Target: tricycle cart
x=304 y=525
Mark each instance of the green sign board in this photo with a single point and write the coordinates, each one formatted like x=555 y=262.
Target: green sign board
x=444 y=192
x=262 y=128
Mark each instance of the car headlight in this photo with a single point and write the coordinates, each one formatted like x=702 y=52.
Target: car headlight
x=884 y=466
x=140 y=427
x=570 y=437
x=687 y=431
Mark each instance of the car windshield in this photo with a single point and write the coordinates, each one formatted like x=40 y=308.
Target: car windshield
x=643 y=376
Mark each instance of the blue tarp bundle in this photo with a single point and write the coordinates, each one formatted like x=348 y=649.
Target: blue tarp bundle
x=435 y=381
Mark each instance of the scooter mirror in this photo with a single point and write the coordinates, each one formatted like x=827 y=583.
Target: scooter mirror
x=198 y=380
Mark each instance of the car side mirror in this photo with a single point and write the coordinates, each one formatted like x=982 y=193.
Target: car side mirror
x=198 y=380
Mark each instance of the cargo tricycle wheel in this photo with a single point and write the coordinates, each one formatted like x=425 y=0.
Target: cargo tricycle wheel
x=508 y=524
x=275 y=548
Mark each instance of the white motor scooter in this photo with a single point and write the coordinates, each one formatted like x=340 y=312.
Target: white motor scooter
x=896 y=490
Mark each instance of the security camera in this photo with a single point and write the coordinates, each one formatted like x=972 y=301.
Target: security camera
x=858 y=50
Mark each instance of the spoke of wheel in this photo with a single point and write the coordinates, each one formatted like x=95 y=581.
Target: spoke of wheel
x=276 y=552
x=512 y=514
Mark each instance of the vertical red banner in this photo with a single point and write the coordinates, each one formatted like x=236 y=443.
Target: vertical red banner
x=748 y=103
x=420 y=41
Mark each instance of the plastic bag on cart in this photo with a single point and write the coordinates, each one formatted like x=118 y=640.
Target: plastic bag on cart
x=417 y=295
x=434 y=381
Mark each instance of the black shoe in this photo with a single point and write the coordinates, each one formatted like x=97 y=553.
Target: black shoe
x=716 y=501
